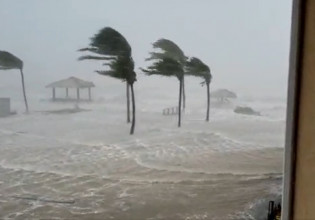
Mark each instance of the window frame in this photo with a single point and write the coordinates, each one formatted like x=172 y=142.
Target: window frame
x=293 y=101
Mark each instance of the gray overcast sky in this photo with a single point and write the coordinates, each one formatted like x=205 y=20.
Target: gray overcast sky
x=245 y=42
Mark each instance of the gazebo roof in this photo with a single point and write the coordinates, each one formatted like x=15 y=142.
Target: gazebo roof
x=223 y=93
x=71 y=82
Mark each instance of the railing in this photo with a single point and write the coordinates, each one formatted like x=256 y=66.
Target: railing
x=170 y=111
x=274 y=211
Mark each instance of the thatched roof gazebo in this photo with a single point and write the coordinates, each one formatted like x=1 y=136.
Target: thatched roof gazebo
x=223 y=94
x=72 y=83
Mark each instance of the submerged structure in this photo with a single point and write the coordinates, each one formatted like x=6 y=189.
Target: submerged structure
x=71 y=83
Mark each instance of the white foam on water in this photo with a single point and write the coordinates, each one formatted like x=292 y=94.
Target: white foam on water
x=92 y=152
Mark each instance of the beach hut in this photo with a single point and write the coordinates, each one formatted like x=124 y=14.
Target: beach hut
x=71 y=83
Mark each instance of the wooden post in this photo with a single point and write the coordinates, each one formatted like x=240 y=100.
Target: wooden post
x=270 y=215
x=78 y=93
x=54 y=94
x=67 y=92
x=90 y=97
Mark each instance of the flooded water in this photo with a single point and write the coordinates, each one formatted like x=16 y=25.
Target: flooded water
x=85 y=166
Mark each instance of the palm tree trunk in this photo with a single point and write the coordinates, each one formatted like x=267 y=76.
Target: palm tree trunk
x=208 y=101
x=180 y=102
x=133 y=123
x=128 y=102
x=184 y=94
x=24 y=94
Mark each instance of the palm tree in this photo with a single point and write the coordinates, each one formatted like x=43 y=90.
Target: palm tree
x=114 y=49
x=170 y=50
x=168 y=67
x=196 y=67
x=7 y=62
x=108 y=45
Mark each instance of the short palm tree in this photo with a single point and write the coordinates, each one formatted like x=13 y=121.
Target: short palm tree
x=111 y=47
x=7 y=62
x=173 y=51
x=168 y=67
x=196 y=67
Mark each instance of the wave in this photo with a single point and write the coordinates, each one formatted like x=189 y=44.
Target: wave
x=203 y=177
x=258 y=209
x=217 y=178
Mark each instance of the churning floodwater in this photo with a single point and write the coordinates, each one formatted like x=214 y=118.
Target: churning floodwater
x=86 y=166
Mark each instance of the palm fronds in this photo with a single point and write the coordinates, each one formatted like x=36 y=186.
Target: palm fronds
x=9 y=61
x=196 y=67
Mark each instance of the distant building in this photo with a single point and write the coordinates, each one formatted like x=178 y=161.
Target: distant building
x=71 y=83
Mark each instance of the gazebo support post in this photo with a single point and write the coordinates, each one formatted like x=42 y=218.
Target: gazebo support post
x=54 y=94
x=78 y=94
x=90 y=97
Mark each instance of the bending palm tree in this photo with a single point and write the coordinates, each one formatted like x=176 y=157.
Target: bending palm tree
x=110 y=44
x=7 y=62
x=169 y=67
x=173 y=51
x=116 y=51
x=197 y=68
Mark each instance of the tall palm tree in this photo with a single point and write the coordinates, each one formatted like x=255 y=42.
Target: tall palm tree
x=170 y=50
x=109 y=44
x=7 y=62
x=196 y=67
x=169 y=67
x=111 y=47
